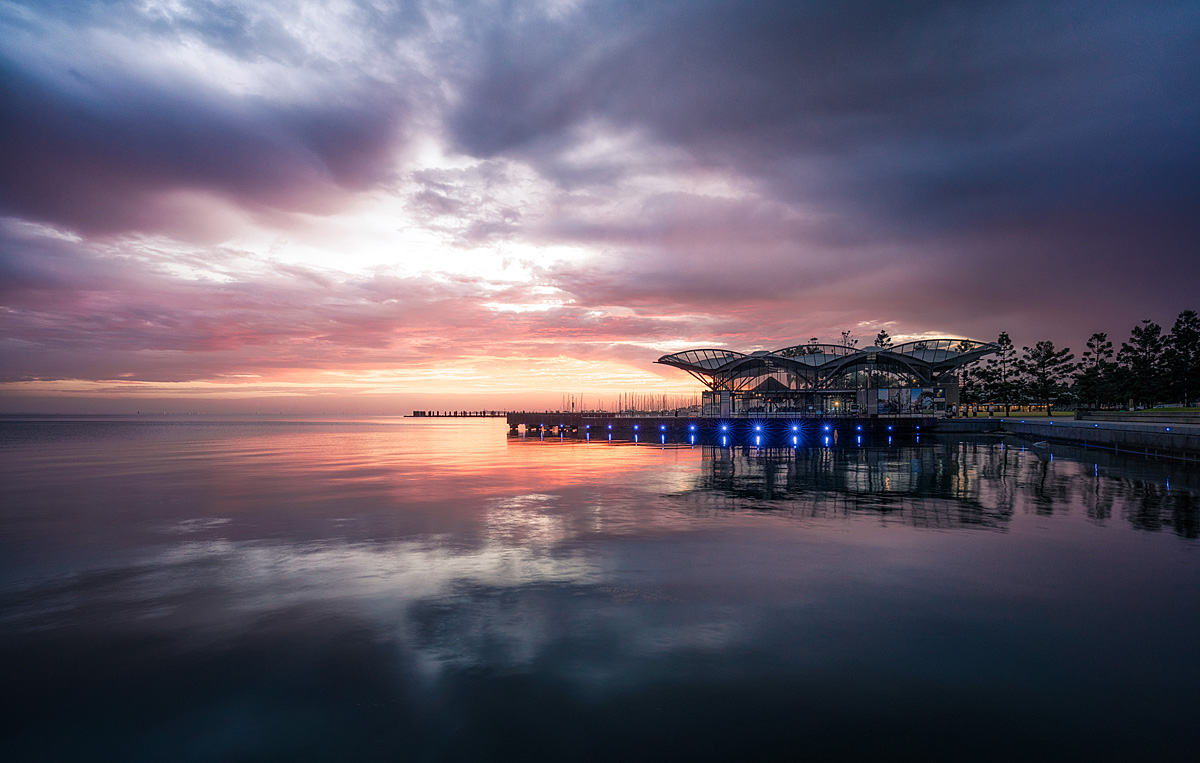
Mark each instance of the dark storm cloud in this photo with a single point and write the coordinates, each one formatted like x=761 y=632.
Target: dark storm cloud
x=93 y=144
x=91 y=152
x=746 y=172
x=918 y=115
x=1020 y=158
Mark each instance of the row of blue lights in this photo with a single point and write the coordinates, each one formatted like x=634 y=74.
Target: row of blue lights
x=724 y=427
x=795 y=428
x=724 y=439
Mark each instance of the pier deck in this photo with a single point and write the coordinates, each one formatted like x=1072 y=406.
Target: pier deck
x=623 y=426
x=1152 y=438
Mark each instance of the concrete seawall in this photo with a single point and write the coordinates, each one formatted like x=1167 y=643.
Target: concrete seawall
x=1177 y=418
x=1163 y=438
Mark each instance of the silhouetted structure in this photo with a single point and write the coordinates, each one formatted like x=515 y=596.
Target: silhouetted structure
x=914 y=377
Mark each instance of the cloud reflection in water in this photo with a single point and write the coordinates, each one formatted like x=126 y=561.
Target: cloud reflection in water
x=356 y=590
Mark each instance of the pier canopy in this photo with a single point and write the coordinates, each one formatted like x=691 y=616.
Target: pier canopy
x=830 y=366
x=828 y=376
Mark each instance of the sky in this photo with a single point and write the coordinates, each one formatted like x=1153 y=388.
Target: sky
x=375 y=207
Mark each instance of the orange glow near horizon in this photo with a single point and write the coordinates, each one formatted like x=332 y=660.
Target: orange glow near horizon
x=487 y=383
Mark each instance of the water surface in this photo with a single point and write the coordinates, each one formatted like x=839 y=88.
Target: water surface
x=391 y=589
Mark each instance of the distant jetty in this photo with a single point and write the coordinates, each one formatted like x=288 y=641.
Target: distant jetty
x=458 y=415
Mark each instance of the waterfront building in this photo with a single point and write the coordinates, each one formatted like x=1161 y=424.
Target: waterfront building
x=911 y=378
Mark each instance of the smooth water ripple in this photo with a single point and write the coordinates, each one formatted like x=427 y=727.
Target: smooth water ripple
x=385 y=589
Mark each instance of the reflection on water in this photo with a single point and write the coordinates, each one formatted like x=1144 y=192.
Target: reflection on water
x=962 y=482
x=383 y=589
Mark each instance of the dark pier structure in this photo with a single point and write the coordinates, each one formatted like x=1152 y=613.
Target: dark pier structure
x=828 y=395
x=457 y=414
x=1164 y=438
x=781 y=431
x=911 y=378
x=798 y=394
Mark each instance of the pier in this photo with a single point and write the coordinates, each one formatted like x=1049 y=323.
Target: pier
x=458 y=414
x=1161 y=438
x=658 y=428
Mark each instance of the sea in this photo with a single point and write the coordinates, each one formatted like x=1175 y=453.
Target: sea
x=203 y=588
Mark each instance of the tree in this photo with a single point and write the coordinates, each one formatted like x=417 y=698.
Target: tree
x=1046 y=372
x=814 y=345
x=1140 y=361
x=970 y=385
x=848 y=339
x=1181 y=358
x=882 y=340
x=1001 y=383
x=1095 y=383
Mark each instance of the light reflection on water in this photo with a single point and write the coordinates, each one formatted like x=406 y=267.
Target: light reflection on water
x=436 y=590
x=969 y=481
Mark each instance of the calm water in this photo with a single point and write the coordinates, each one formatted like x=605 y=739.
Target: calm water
x=396 y=589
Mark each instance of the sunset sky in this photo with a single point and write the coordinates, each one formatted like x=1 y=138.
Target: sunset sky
x=376 y=206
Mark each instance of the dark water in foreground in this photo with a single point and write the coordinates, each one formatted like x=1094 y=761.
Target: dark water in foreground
x=432 y=590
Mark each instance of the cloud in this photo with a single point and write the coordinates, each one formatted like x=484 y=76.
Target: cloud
x=918 y=162
x=215 y=190
x=101 y=144
x=128 y=310
x=896 y=109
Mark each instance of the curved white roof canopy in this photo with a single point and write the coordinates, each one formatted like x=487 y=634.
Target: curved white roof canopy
x=813 y=366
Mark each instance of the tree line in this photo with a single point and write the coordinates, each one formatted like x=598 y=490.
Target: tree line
x=1152 y=368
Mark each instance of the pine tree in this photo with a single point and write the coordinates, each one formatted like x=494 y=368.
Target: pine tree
x=1001 y=382
x=1140 y=361
x=1095 y=383
x=882 y=340
x=1046 y=373
x=1182 y=358
x=970 y=385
